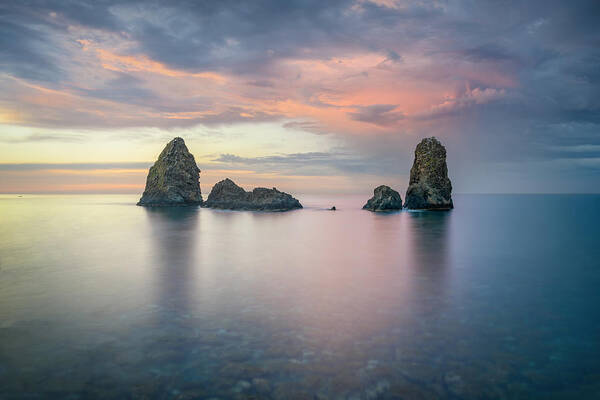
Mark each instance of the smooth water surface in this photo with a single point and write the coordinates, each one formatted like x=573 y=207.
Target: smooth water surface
x=497 y=299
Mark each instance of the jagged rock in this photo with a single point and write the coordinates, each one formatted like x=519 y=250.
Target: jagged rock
x=429 y=187
x=384 y=199
x=173 y=179
x=229 y=196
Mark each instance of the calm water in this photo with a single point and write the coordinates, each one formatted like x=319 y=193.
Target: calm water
x=499 y=298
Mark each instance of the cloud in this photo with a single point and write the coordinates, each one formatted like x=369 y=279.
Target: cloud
x=308 y=126
x=312 y=163
x=43 y=137
x=290 y=159
x=263 y=83
x=492 y=52
x=124 y=88
x=24 y=51
x=72 y=166
x=238 y=114
x=377 y=114
x=536 y=25
x=192 y=60
x=392 y=58
x=589 y=162
x=454 y=104
x=582 y=148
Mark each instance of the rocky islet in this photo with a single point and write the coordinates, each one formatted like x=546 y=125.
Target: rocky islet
x=229 y=196
x=429 y=186
x=384 y=199
x=173 y=180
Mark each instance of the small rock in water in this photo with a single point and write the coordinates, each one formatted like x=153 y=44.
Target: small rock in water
x=384 y=199
x=229 y=196
x=333 y=208
x=429 y=187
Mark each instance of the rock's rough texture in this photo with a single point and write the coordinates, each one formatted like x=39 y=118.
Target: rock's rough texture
x=173 y=179
x=229 y=196
x=384 y=199
x=429 y=187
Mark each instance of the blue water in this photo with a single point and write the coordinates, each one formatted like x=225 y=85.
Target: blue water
x=497 y=299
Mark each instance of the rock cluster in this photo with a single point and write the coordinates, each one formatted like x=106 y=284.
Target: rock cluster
x=173 y=180
x=229 y=196
x=384 y=199
x=429 y=186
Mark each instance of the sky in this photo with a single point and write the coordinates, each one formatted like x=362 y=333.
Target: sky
x=306 y=96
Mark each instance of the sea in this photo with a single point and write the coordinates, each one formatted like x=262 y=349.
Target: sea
x=496 y=299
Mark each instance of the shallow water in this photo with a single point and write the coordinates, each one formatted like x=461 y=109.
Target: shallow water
x=498 y=298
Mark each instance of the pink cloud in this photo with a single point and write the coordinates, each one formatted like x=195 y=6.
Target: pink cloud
x=355 y=93
x=469 y=98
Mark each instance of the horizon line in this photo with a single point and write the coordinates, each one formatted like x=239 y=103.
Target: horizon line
x=298 y=194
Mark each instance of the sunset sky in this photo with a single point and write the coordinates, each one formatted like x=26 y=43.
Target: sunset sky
x=309 y=96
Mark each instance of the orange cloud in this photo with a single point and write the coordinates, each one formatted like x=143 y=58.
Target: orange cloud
x=140 y=63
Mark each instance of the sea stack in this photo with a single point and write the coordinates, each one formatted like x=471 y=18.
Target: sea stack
x=384 y=199
x=173 y=180
x=229 y=196
x=429 y=187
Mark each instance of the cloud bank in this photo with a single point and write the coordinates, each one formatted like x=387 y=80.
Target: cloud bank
x=500 y=83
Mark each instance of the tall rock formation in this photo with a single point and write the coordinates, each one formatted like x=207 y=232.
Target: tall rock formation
x=229 y=196
x=173 y=179
x=384 y=199
x=429 y=187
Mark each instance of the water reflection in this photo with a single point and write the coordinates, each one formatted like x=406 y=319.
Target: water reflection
x=429 y=259
x=429 y=238
x=173 y=232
